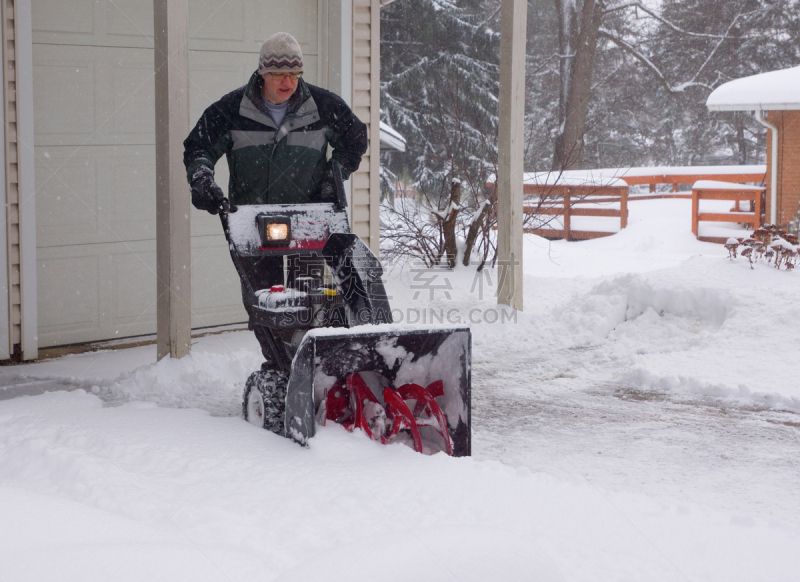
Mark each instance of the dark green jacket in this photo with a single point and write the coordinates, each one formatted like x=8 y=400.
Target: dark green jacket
x=270 y=164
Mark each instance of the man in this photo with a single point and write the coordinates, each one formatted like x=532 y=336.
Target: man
x=275 y=133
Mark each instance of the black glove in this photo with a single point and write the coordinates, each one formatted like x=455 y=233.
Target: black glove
x=327 y=186
x=206 y=194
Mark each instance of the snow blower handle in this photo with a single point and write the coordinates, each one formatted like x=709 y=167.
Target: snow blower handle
x=225 y=209
x=341 y=197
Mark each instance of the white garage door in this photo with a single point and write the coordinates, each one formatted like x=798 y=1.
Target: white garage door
x=95 y=156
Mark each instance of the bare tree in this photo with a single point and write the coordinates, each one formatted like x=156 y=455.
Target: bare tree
x=582 y=23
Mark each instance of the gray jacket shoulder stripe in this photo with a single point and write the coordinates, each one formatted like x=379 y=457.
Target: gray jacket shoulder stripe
x=304 y=115
x=310 y=139
x=242 y=139
x=250 y=111
x=290 y=124
x=308 y=106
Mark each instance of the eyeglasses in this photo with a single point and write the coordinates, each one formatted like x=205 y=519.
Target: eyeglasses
x=282 y=76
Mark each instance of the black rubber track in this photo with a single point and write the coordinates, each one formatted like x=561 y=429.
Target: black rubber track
x=272 y=386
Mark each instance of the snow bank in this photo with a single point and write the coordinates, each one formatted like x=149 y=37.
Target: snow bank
x=211 y=382
x=687 y=385
x=629 y=307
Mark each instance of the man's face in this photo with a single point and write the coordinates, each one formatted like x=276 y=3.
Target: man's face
x=278 y=87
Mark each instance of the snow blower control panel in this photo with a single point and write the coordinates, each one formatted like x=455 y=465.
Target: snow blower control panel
x=302 y=307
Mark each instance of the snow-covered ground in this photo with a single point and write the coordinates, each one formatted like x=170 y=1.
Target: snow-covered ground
x=640 y=420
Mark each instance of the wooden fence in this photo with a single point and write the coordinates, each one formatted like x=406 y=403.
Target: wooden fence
x=567 y=201
x=677 y=179
x=571 y=201
x=725 y=193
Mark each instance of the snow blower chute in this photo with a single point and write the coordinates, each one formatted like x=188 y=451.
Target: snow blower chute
x=333 y=353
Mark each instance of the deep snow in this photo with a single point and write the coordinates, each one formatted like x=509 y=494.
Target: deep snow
x=640 y=420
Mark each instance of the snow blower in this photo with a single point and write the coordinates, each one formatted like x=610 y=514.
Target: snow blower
x=335 y=354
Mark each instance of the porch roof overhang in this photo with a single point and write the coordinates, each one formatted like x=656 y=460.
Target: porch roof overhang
x=772 y=91
x=391 y=139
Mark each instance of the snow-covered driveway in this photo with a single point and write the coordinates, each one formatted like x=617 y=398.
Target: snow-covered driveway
x=639 y=421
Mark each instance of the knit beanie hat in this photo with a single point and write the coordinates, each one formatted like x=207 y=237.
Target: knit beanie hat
x=280 y=53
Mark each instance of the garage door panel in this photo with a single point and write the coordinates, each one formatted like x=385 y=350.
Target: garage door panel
x=216 y=293
x=128 y=18
x=217 y=20
x=133 y=287
x=134 y=100
x=214 y=75
x=299 y=18
x=232 y=25
x=70 y=16
x=66 y=202
x=220 y=25
x=134 y=196
x=83 y=95
x=95 y=194
x=92 y=292
x=69 y=291
x=63 y=98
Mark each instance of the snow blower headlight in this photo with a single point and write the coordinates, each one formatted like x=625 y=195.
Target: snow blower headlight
x=277 y=231
x=274 y=230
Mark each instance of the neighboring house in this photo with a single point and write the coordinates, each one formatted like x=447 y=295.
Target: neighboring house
x=778 y=94
x=79 y=161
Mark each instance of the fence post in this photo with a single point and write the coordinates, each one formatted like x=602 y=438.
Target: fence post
x=567 y=227
x=623 y=207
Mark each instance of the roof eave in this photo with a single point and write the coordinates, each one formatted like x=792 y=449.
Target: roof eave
x=754 y=107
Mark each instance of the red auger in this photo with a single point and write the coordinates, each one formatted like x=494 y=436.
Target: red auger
x=408 y=410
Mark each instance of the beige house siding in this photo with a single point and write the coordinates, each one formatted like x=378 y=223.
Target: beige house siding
x=19 y=280
x=366 y=105
x=12 y=308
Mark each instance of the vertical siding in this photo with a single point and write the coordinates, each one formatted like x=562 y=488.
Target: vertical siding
x=11 y=181
x=366 y=105
x=5 y=336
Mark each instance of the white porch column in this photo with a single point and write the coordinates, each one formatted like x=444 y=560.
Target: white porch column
x=173 y=235
x=513 y=24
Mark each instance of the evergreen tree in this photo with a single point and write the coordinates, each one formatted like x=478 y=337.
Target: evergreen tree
x=439 y=86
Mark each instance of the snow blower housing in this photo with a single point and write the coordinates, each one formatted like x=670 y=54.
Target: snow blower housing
x=336 y=357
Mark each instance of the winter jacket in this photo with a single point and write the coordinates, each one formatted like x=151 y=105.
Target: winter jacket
x=270 y=164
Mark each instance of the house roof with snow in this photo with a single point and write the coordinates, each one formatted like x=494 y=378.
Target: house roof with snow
x=776 y=90
x=390 y=139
